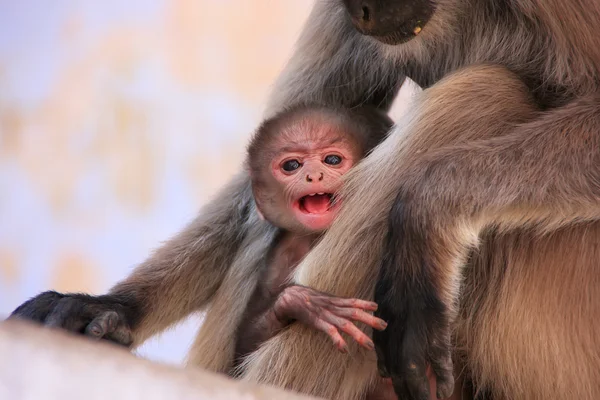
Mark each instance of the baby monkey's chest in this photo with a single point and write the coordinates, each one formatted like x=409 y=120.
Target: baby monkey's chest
x=289 y=251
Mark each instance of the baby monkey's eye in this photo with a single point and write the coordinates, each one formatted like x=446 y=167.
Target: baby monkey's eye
x=332 y=159
x=290 y=165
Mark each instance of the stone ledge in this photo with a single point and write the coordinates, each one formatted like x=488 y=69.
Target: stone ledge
x=40 y=363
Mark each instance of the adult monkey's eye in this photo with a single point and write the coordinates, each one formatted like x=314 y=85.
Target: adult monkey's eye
x=332 y=159
x=290 y=165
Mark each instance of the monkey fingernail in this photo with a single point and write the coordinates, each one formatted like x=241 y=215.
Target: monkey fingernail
x=344 y=349
x=370 y=345
x=383 y=325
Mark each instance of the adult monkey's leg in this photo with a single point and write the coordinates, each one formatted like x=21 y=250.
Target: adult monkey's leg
x=543 y=174
x=347 y=265
x=184 y=274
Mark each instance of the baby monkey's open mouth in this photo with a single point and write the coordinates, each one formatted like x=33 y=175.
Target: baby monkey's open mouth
x=316 y=203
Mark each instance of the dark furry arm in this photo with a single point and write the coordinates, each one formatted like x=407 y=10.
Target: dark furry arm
x=183 y=274
x=179 y=278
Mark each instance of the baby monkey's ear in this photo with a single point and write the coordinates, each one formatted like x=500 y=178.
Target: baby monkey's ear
x=253 y=175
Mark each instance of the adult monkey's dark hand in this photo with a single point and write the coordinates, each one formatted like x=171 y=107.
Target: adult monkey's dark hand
x=102 y=317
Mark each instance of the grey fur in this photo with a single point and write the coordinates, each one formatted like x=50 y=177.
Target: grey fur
x=553 y=47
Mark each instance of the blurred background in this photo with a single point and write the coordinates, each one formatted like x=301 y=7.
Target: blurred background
x=118 y=120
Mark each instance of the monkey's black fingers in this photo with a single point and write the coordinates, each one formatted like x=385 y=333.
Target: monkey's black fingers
x=441 y=364
x=103 y=325
x=110 y=326
x=408 y=359
x=69 y=314
x=401 y=355
x=409 y=371
x=360 y=316
x=107 y=317
x=122 y=336
x=381 y=368
x=349 y=328
x=411 y=386
x=37 y=308
x=381 y=341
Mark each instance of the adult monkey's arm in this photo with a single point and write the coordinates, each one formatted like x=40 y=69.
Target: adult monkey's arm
x=179 y=278
x=184 y=273
x=335 y=65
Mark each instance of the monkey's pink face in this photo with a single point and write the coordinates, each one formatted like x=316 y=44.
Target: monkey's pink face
x=310 y=178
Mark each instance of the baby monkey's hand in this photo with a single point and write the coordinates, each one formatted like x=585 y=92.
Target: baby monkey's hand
x=328 y=314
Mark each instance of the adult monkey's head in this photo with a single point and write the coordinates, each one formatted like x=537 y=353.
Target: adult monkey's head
x=390 y=21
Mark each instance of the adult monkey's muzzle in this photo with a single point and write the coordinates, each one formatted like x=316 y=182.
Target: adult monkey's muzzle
x=390 y=21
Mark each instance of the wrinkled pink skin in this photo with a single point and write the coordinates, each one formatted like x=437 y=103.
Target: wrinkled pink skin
x=313 y=176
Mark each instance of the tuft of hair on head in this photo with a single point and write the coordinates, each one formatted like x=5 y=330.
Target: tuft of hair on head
x=367 y=126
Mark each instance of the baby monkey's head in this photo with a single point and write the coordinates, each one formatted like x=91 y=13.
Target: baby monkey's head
x=297 y=158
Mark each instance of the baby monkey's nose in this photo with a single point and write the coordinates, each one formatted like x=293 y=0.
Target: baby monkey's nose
x=310 y=177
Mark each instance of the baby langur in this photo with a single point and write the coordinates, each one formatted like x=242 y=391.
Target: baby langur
x=296 y=161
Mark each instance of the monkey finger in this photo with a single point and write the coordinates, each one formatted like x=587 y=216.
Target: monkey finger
x=442 y=369
x=381 y=368
x=360 y=316
x=121 y=336
x=68 y=314
x=332 y=332
x=354 y=303
x=103 y=325
x=349 y=328
x=412 y=387
x=433 y=390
